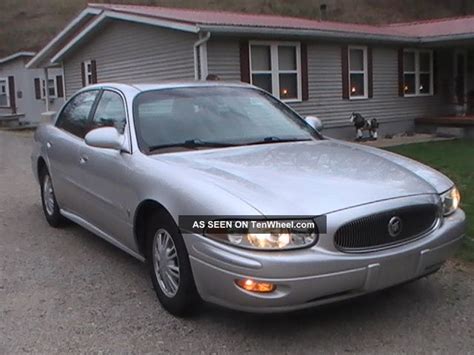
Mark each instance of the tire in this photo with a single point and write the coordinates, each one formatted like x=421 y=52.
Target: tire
x=48 y=200
x=169 y=266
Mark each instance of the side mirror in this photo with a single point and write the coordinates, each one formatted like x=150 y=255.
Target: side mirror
x=48 y=117
x=105 y=137
x=314 y=122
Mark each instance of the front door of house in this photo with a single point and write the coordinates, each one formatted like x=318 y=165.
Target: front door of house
x=4 y=92
x=460 y=76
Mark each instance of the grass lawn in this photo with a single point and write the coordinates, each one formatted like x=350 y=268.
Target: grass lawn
x=456 y=160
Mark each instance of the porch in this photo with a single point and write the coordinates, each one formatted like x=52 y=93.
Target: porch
x=460 y=126
x=10 y=119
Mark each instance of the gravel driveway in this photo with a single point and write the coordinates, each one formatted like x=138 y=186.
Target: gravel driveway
x=68 y=291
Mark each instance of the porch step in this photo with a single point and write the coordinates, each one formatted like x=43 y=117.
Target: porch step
x=451 y=126
x=449 y=121
x=457 y=132
x=20 y=127
x=10 y=120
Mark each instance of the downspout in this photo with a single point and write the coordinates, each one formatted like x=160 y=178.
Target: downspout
x=197 y=62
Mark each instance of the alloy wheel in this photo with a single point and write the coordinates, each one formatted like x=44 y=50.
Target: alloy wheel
x=166 y=263
x=48 y=195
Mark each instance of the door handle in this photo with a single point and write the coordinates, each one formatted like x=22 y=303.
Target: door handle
x=83 y=159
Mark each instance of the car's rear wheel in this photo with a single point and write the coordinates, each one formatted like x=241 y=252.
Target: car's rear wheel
x=169 y=266
x=49 y=202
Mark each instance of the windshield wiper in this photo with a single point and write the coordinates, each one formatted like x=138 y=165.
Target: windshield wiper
x=273 y=139
x=197 y=143
x=191 y=144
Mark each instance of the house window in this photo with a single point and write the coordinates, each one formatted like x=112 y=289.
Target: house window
x=409 y=73
x=88 y=72
x=4 y=102
x=417 y=72
x=52 y=88
x=358 y=78
x=425 y=68
x=276 y=68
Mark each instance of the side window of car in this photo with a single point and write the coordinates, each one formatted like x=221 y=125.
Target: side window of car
x=110 y=112
x=74 y=117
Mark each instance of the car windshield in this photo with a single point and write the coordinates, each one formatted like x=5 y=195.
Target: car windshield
x=214 y=116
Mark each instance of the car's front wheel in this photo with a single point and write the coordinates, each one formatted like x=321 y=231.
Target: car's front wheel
x=49 y=202
x=169 y=266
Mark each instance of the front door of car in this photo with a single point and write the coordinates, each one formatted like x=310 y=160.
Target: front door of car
x=106 y=173
x=63 y=147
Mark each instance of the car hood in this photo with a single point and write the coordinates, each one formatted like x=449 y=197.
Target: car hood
x=308 y=178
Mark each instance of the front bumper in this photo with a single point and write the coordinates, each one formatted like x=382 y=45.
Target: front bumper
x=315 y=276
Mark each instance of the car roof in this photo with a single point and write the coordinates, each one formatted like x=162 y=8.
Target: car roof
x=180 y=84
x=168 y=85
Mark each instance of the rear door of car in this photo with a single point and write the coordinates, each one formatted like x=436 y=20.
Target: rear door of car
x=106 y=172
x=63 y=147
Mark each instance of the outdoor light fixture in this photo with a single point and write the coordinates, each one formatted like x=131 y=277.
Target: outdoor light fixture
x=255 y=286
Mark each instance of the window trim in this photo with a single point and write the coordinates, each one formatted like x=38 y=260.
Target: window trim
x=365 y=72
x=87 y=72
x=274 y=67
x=417 y=72
x=44 y=88
x=7 y=92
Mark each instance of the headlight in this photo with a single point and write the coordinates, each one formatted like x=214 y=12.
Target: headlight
x=450 y=200
x=304 y=234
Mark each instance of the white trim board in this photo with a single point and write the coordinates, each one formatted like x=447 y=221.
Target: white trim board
x=39 y=56
x=124 y=17
x=274 y=70
x=364 y=72
x=17 y=55
x=7 y=92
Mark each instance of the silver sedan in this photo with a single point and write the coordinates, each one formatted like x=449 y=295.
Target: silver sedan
x=231 y=197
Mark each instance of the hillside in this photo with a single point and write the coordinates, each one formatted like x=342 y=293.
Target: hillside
x=29 y=24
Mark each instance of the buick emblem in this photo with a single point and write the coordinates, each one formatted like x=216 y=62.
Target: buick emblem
x=395 y=226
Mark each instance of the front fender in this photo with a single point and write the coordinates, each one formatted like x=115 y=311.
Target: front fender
x=39 y=150
x=183 y=192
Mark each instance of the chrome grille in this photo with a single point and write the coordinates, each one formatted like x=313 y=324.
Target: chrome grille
x=372 y=232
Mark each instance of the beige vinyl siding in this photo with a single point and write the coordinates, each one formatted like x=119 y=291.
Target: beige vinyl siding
x=127 y=52
x=325 y=90
x=325 y=84
x=223 y=58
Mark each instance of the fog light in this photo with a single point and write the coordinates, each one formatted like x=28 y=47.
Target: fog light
x=255 y=286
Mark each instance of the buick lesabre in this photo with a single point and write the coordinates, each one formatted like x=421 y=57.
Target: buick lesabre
x=128 y=162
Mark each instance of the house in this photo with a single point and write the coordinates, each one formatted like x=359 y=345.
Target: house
x=396 y=73
x=23 y=93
